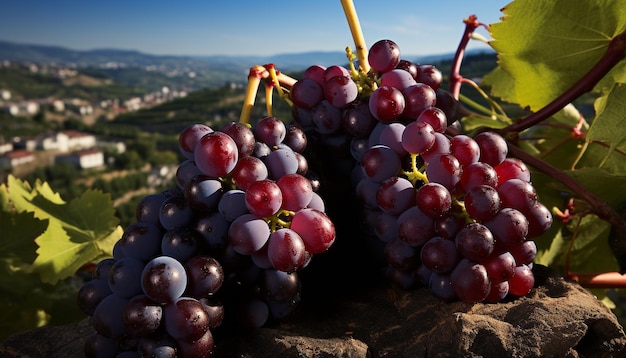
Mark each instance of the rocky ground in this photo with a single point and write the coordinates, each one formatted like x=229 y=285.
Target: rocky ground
x=557 y=319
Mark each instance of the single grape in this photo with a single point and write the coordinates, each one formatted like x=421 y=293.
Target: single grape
x=295 y=138
x=380 y=162
x=470 y=281
x=175 y=212
x=435 y=117
x=524 y=253
x=340 y=91
x=497 y=291
x=125 y=277
x=281 y=162
x=387 y=104
x=90 y=294
x=509 y=226
x=315 y=73
x=286 y=250
x=397 y=78
x=242 y=135
x=326 y=118
x=315 y=228
x=391 y=136
x=465 y=149
x=203 y=193
x=395 y=195
x=181 y=243
x=189 y=137
x=475 y=241
x=216 y=154
x=141 y=316
x=441 y=287
x=512 y=168
x=522 y=282
x=185 y=319
x=444 y=169
x=482 y=202
x=439 y=255
x=276 y=285
x=478 y=173
x=270 y=131
x=264 y=198
x=500 y=267
x=385 y=226
x=418 y=137
x=296 y=190
x=418 y=96
x=383 y=55
x=163 y=279
x=205 y=275
x=248 y=170
x=306 y=93
x=401 y=256
x=539 y=220
x=147 y=210
x=415 y=227
x=493 y=148
x=433 y=199
x=357 y=120
x=107 y=317
x=429 y=75
x=141 y=240
x=248 y=233
x=518 y=194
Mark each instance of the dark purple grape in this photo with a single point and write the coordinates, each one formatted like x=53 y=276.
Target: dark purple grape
x=482 y=202
x=429 y=75
x=439 y=255
x=493 y=148
x=216 y=154
x=340 y=91
x=141 y=240
x=242 y=135
x=522 y=282
x=163 y=279
x=415 y=227
x=419 y=97
x=141 y=316
x=470 y=281
x=500 y=267
x=306 y=93
x=387 y=104
x=90 y=294
x=185 y=319
x=475 y=241
x=181 y=243
x=395 y=195
x=433 y=199
x=401 y=256
x=107 y=317
x=125 y=277
x=189 y=137
x=270 y=130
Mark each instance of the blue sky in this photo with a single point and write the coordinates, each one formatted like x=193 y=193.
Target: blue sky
x=207 y=27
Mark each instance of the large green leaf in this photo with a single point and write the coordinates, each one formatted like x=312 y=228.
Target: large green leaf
x=78 y=232
x=546 y=46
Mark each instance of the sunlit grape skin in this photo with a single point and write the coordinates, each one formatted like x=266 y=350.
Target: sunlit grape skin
x=216 y=154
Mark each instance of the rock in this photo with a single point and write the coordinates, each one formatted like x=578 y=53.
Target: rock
x=558 y=318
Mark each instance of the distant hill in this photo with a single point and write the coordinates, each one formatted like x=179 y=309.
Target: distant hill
x=115 y=58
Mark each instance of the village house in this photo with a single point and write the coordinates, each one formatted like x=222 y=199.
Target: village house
x=16 y=158
x=83 y=159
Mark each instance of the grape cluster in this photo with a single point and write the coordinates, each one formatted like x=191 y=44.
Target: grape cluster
x=453 y=213
x=221 y=247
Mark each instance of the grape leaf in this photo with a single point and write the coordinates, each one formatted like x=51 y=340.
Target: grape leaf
x=19 y=231
x=609 y=126
x=546 y=46
x=78 y=232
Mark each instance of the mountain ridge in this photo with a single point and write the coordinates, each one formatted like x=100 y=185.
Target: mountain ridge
x=20 y=52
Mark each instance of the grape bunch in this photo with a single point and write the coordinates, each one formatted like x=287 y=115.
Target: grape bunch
x=221 y=248
x=453 y=213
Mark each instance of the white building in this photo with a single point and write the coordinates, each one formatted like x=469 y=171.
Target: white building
x=16 y=158
x=83 y=159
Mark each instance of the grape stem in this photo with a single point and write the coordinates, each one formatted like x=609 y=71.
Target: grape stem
x=357 y=34
x=471 y=24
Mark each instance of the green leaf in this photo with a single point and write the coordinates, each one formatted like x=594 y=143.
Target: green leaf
x=604 y=184
x=78 y=232
x=546 y=46
x=609 y=126
x=19 y=231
